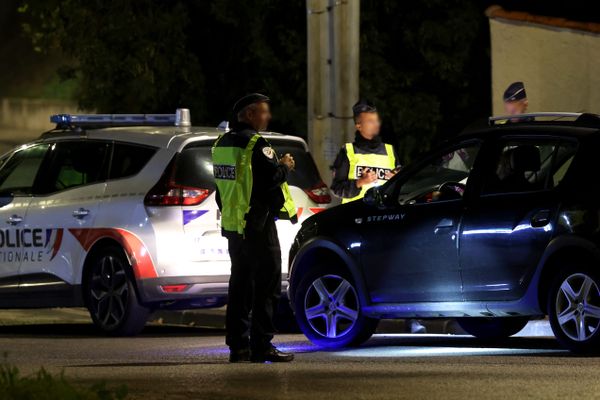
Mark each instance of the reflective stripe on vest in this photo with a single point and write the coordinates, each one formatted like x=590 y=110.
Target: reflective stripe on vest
x=232 y=168
x=379 y=163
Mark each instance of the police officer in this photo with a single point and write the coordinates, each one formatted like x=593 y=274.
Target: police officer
x=251 y=193
x=365 y=163
x=515 y=101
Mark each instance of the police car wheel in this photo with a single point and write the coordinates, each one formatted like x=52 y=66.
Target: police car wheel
x=574 y=308
x=492 y=328
x=111 y=296
x=328 y=309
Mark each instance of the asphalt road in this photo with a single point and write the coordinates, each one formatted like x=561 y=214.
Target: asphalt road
x=191 y=363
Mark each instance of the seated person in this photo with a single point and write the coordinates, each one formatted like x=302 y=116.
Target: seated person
x=513 y=165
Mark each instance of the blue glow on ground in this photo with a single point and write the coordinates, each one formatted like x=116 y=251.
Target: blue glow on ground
x=433 y=350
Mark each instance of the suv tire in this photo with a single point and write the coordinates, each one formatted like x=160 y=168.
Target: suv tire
x=328 y=309
x=574 y=308
x=111 y=296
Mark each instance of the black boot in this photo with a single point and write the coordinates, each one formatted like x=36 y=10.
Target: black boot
x=271 y=354
x=241 y=355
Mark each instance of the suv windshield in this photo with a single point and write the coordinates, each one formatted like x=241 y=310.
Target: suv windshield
x=194 y=165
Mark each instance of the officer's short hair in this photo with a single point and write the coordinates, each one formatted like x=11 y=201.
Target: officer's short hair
x=362 y=106
x=241 y=115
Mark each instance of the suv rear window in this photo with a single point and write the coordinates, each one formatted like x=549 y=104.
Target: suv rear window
x=129 y=159
x=306 y=175
x=194 y=165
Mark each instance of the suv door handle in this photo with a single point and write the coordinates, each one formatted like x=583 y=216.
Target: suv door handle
x=540 y=219
x=81 y=213
x=14 y=219
x=445 y=225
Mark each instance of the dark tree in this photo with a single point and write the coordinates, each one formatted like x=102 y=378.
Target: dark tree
x=424 y=63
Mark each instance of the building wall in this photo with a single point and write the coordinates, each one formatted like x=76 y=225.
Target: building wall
x=24 y=119
x=560 y=67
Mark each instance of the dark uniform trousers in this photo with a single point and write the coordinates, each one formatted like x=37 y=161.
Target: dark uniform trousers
x=254 y=287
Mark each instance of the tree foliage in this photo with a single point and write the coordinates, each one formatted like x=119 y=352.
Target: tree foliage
x=426 y=66
x=424 y=63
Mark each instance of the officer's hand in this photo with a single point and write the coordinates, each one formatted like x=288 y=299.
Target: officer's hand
x=369 y=176
x=288 y=161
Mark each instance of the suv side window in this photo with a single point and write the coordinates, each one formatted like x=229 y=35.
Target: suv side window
x=525 y=165
x=443 y=177
x=194 y=166
x=73 y=163
x=18 y=172
x=129 y=159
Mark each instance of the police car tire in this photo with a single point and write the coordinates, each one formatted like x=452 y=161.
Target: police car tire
x=363 y=328
x=134 y=315
x=492 y=328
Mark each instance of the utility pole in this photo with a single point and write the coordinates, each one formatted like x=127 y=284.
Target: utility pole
x=333 y=62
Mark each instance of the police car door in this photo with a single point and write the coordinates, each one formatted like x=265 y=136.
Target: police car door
x=66 y=197
x=18 y=171
x=409 y=249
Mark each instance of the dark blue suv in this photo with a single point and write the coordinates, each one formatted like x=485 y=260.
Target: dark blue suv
x=493 y=228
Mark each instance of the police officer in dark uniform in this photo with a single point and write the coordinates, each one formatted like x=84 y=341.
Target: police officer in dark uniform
x=251 y=193
x=515 y=102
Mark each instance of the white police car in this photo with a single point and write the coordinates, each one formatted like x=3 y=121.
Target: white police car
x=117 y=213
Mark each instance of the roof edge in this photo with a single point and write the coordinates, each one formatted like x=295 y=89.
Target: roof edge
x=497 y=11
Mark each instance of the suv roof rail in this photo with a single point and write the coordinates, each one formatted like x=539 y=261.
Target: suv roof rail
x=528 y=117
x=68 y=121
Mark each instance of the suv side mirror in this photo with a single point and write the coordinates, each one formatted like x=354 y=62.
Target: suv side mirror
x=374 y=197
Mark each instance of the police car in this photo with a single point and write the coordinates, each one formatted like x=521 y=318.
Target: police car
x=118 y=213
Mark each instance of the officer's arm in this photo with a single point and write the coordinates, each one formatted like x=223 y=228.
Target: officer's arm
x=397 y=159
x=268 y=173
x=341 y=186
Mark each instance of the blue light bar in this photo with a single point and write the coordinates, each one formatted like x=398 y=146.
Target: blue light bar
x=180 y=118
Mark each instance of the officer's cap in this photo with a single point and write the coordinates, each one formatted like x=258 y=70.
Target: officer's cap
x=515 y=91
x=249 y=99
x=362 y=106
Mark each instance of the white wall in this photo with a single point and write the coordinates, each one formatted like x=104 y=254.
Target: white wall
x=23 y=119
x=560 y=67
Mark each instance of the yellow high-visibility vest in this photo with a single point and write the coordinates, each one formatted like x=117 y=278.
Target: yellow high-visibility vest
x=380 y=163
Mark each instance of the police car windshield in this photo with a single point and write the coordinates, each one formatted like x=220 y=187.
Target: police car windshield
x=194 y=165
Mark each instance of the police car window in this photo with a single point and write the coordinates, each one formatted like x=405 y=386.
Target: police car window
x=305 y=175
x=129 y=159
x=194 y=166
x=529 y=165
x=73 y=163
x=18 y=174
x=442 y=178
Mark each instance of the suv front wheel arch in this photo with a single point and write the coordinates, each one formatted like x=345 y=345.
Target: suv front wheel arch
x=324 y=251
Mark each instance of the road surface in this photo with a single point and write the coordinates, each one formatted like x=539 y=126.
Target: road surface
x=188 y=362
